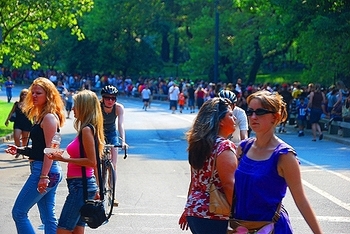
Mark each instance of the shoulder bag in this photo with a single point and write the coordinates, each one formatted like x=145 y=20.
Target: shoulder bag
x=93 y=211
x=218 y=203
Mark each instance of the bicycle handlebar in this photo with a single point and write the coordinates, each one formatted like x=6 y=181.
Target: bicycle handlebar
x=119 y=146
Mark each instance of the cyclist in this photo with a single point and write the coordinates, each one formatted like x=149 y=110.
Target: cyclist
x=112 y=110
x=241 y=131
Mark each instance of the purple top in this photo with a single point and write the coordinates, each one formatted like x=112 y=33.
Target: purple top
x=259 y=189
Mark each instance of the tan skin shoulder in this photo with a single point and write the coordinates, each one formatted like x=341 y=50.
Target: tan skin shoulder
x=119 y=110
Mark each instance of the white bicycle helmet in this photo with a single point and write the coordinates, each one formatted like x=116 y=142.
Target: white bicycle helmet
x=109 y=90
x=229 y=95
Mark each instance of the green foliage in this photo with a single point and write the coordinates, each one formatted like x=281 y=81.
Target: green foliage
x=5 y=109
x=24 y=25
x=139 y=37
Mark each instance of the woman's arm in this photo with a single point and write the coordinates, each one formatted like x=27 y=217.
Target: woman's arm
x=49 y=126
x=288 y=168
x=226 y=164
x=11 y=112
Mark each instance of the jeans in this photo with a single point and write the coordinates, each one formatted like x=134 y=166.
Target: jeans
x=111 y=138
x=29 y=196
x=207 y=226
x=70 y=215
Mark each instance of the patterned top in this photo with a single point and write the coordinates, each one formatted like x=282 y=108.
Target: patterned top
x=198 y=200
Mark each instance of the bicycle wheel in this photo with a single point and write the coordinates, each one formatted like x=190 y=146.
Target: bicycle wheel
x=108 y=180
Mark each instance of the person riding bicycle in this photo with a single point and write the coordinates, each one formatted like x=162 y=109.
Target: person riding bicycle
x=241 y=131
x=112 y=110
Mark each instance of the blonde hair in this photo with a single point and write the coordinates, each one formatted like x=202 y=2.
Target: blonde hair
x=87 y=105
x=53 y=105
x=272 y=102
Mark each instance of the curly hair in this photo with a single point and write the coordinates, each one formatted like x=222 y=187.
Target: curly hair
x=54 y=103
x=203 y=133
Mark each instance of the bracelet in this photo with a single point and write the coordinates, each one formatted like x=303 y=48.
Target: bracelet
x=44 y=177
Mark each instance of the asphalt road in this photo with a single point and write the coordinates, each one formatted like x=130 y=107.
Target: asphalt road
x=152 y=182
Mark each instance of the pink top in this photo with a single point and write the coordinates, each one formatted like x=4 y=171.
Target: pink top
x=74 y=170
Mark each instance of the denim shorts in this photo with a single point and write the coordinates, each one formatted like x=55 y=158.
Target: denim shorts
x=70 y=215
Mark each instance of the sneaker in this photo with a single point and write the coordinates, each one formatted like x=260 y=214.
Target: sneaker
x=320 y=137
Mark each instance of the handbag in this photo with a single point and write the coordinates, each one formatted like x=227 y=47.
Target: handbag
x=13 y=117
x=93 y=211
x=218 y=203
x=257 y=227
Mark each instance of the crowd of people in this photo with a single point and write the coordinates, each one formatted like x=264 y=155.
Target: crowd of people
x=220 y=146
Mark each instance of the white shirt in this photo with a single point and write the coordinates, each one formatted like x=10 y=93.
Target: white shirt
x=174 y=92
x=241 y=124
x=146 y=93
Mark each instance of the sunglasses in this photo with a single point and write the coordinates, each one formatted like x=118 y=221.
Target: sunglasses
x=109 y=98
x=258 y=112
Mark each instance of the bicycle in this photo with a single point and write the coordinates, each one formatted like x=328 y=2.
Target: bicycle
x=108 y=177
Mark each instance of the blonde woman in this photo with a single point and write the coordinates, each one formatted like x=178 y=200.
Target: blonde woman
x=87 y=112
x=43 y=105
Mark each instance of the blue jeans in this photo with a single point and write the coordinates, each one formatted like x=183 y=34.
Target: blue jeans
x=111 y=138
x=70 y=215
x=29 y=196
x=207 y=226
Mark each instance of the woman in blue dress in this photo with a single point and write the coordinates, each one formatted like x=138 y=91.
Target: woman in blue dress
x=267 y=166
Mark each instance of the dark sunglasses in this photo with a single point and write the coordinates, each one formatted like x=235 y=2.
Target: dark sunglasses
x=258 y=112
x=109 y=98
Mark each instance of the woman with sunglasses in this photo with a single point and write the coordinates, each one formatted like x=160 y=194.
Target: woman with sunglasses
x=212 y=159
x=267 y=166
x=111 y=110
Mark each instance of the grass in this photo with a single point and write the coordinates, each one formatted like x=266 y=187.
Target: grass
x=280 y=77
x=5 y=109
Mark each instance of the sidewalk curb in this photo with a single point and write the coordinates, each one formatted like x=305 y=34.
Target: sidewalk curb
x=6 y=138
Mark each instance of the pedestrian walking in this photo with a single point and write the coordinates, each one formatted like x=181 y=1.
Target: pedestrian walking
x=44 y=106
x=9 y=85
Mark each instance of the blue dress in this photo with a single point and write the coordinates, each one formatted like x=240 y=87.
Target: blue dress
x=259 y=189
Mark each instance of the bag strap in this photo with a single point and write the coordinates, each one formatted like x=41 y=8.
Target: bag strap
x=83 y=170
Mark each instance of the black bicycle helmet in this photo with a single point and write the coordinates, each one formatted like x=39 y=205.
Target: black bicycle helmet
x=229 y=95
x=109 y=90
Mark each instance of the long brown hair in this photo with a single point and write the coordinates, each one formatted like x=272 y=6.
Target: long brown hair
x=202 y=136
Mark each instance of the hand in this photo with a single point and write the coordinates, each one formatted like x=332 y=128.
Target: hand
x=183 y=222
x=42 y=185
x=57 y=155
x=124 y=145
x=11 y=149
x=7 y=123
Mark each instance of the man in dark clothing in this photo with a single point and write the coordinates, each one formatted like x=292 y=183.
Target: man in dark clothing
x=287 y=98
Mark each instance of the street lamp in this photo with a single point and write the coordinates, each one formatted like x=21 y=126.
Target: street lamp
x=216 y=44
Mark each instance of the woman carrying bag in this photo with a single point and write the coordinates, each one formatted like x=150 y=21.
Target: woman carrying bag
x=212 y=159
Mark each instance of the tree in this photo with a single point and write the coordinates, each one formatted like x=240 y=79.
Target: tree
x=24 y=24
